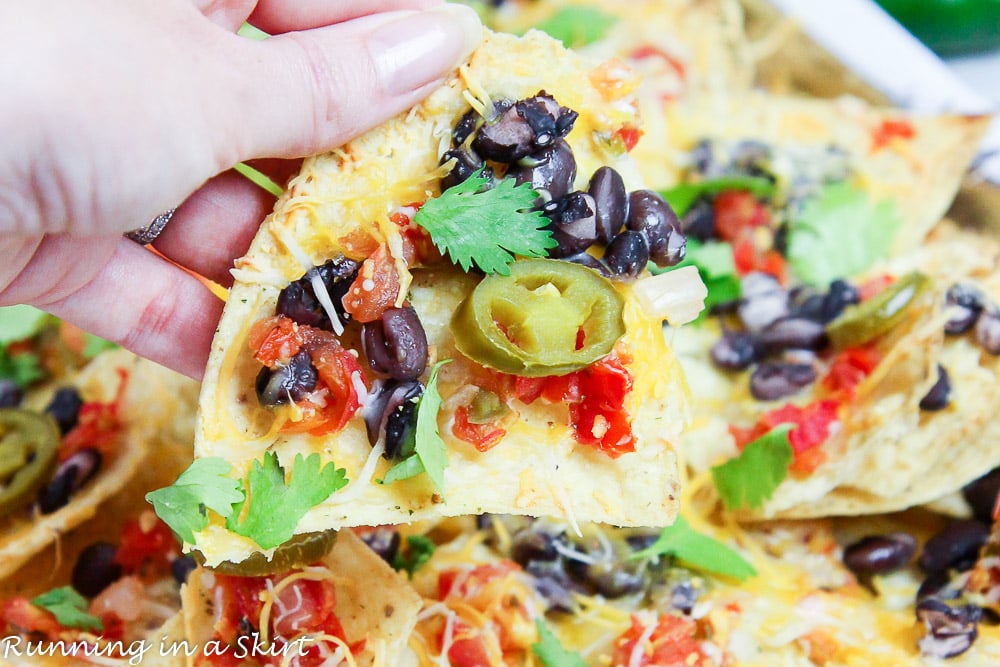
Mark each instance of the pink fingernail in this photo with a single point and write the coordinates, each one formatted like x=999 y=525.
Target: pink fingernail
x=421 y=47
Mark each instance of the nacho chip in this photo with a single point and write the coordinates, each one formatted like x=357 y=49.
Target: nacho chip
x=375 y=609
x=340 y=200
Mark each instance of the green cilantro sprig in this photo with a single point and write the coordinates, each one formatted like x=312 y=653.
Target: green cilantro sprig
x=839 y=234
x=751 y=478
x=69 y=608
x=577 y=25
x=274 y=508
x=419 y=550
x=698 y=551
x=22 y=369
x=430 y=453
x=486 y=227
x=551 y=652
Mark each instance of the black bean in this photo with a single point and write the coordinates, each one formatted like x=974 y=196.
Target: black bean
x=396 y=344
x=553 y=170
x=880 y=554
x=939 y=395
x=841 y=295
x=399 y=418
x=548 y=120
x=641 y=541
x=939 y=585
x=780 y=241
x=550 y=580
x=532 y=544
x=699 y=221
x=507 y=137
x=988 y=330
x=590 y=262
x=291 y=381
x=10 y=394
x=763 y=301
x=627 y=255
x=298 y=301
x=651 y=215
x=95 y=569
x=467 y=163
x=182 y=566
x=964 y=303
x=703 y=157
x=956 y=546
x=772 y=380
x=608 y=190
x=384 y=542
x=792 y=333
x=951 y=630
x=981 y=494
x=750 y=155
x=464 y=128
x=735 y=351
x=683 y=596
x=65 y=408
x=69 y=477
x=574 y=223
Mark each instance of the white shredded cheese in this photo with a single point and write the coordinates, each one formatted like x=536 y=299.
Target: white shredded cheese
x=324 y=300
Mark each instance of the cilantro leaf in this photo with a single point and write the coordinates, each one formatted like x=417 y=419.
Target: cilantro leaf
x=20 y=322
x=840 y=234
x=577 y=25
x=95 y=345
x=699 y=551
x=682 y=197
x=203 y=485
x=419 y=550
x=431 y=453
x=275 y=507
x=258 y=178
x=486 y=228
x=551 y=652
x=252 y=32
x=751 y=478
x=69 y=608
x=22 y=369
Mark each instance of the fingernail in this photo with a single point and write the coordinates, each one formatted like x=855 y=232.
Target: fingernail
x=421 y=47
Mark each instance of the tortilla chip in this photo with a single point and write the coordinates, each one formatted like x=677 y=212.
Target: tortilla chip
x=538 y=468
x=920 y=174
x=375 y=605
x=156 y=409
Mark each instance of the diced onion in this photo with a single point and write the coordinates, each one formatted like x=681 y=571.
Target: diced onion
x=676 y=296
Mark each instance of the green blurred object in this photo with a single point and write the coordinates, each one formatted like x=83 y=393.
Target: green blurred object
x=950 y=27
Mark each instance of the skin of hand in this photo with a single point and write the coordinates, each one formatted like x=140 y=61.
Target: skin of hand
x=114 y=111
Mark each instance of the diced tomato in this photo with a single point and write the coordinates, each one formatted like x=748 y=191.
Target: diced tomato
x=147 y=552
x=97 y=426
x=314 y=603
x=468 y=647
x=465 y=583
x=21 y=617
x=737 y=211
x=890 y=129
x=674 y=641
x=359 y=243
x=334 y=365
x=812 y=425
x=629 y=135
x=375 y=288
x=483 y=436
x=849 y=369
x=608 y=430
x=747 y=258
x=648 y=51
x=276 y=339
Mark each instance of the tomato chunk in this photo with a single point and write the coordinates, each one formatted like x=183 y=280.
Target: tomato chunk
x=673 y=641
x=375 y=289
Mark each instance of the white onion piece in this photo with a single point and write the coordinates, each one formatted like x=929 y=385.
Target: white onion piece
x=676 y=296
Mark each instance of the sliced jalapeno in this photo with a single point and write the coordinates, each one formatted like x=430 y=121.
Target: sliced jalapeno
x=878 y=315
x=29 y=443
x=547 y=317
x=303 y=549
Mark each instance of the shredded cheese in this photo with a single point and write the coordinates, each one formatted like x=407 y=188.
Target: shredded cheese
x=323 y=296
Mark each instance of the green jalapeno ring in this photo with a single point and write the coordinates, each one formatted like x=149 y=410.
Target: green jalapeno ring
x=29 y=443
x=878 y=315
x=529 y=322
x=303 y=549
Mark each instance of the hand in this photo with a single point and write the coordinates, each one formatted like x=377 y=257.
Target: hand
x=114 y=111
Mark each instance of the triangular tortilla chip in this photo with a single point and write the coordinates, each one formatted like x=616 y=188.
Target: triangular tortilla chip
x=538 y=467
x=375 y=607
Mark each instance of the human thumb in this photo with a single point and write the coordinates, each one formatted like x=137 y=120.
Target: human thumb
x=310 y=91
